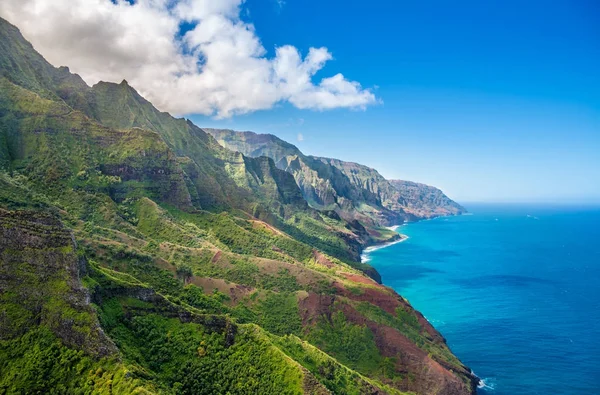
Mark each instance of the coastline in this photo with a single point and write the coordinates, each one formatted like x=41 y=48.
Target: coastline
x=364 y=256
x=475 y=381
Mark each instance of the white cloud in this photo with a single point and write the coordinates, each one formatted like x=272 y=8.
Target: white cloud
x=218 y=68
x=300 y=137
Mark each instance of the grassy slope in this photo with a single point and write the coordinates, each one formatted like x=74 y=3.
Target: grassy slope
x=221 y=293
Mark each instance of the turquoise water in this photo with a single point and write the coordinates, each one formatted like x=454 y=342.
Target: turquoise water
x=514 y=289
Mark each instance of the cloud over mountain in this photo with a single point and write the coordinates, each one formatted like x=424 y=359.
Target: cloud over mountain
x=217 y=66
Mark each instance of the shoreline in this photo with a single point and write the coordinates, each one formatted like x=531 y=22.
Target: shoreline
x=476 y=381
x=364 y=256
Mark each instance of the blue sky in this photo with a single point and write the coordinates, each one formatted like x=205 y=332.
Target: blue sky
x=490 y=101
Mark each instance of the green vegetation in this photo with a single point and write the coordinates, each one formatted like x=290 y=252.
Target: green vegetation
x=138 y=256
x=336 y=377
x=38 y=362
x=353 y=345
x=278 y=314
x=211 y=304
x=190 y=358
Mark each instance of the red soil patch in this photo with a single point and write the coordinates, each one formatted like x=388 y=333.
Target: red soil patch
x=235 y=291
x=314 y=306
x=430 y=376
x=357 y=278
x=216 y=257
x=378 y=296
x=322 y=260
x=388 y=300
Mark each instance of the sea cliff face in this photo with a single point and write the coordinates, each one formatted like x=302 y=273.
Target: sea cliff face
x=138 y=255
x=425 y=201
x=354 y=191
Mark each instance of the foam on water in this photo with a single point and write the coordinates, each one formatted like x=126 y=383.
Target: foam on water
x=364 y=257
x=486 y=384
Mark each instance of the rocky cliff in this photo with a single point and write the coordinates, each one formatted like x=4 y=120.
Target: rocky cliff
x=425 y=201
x=354 y=191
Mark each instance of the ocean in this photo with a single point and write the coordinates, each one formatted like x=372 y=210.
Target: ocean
x=515 y=290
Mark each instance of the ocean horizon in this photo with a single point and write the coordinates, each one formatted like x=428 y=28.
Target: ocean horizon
x=513 y=289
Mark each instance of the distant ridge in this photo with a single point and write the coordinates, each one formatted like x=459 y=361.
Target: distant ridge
x=354 y=191
x=426 y=201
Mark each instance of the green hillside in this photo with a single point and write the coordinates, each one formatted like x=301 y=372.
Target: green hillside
x=139 y=256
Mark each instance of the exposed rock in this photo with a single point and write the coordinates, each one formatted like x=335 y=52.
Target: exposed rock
x=353 y=191
x=40 y=282
x=425 y=201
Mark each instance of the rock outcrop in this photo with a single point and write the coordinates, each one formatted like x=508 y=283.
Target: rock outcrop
x=40 y=282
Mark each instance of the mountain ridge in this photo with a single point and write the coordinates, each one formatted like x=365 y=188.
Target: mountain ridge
x=205 y=270
x=330 y=183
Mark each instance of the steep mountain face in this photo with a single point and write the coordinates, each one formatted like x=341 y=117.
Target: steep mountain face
x=370 y=180
x=354 y=191
x=426 y=201
x=219 y=175
x=137 y=255
x=215 y=178
x=39 y=282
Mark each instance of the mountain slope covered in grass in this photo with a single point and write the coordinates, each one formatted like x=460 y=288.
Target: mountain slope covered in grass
x=137 y=255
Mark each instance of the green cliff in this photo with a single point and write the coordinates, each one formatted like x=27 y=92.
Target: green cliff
x=137 y=255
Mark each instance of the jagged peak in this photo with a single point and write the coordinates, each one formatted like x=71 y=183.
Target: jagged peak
x=109 y=84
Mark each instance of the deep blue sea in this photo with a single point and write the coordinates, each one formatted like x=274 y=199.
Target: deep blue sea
x=514 y=289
